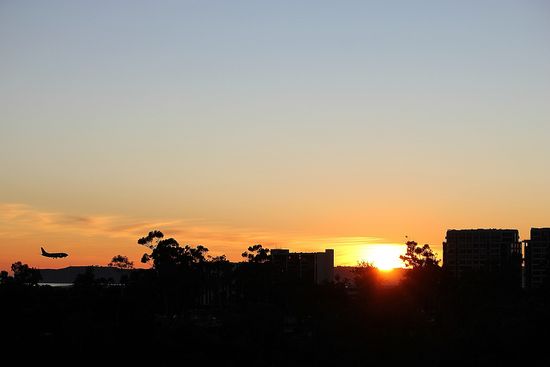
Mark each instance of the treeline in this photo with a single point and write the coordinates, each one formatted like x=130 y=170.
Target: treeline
x=193 y=308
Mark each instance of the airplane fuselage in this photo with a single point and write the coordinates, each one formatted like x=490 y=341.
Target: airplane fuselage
x=55 y=255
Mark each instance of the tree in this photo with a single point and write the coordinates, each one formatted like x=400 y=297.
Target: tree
x=168 y=251
x=121 y=262
x=151 y=241
x=23 y=274
x=5 y=277
x=179 y=269
x=218 y=279
x=424 y=279
x=257 y=254
x=366 y=277
x=418 y=257
x=217 y=259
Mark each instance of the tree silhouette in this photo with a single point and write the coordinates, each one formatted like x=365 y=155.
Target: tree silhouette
x=418 y=257
x=179 y=269
x=168 y=252
x=257 y=254
x=121 y=262
x=5 y=277
x=151 y=241
x=23 y=274
x=366 y=276
x=217 y=259
x=424 y=279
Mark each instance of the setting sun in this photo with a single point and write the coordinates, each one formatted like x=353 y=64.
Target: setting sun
x=384 y=257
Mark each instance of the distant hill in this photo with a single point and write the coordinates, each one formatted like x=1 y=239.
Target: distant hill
x=68 y=275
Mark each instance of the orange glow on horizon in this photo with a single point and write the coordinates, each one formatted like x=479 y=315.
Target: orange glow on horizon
x=383 y=256
x=93 y=239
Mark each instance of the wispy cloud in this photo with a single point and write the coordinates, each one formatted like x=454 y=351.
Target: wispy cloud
x=21 y=221
x=22 y=218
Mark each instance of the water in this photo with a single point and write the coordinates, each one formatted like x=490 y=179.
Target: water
x=71 y=284
x=57 y=284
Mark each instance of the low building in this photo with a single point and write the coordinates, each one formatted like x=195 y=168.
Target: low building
x=537 y=257
x=307 y=267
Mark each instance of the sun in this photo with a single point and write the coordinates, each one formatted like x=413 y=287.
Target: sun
x=384 y=257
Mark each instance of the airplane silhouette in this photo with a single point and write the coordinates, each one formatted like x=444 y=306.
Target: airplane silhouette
x=53 y=254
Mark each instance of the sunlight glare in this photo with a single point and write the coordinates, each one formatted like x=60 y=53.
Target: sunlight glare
x=384 y=257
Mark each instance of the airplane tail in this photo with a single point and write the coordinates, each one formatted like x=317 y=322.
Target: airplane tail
x=43 y=251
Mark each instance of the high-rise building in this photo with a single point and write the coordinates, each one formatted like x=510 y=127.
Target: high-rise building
x=537 y=257
x=496 y=251
x=307 y=267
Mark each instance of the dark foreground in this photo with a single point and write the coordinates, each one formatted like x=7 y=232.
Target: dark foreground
x=425 y=320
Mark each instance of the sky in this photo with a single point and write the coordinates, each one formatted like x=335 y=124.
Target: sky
x=295 y=124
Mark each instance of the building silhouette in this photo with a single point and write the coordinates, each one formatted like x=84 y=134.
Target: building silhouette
x=492 y=251
x=305 y=267
x=537 y=257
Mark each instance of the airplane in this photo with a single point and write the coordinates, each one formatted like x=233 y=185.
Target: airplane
x=53 y=254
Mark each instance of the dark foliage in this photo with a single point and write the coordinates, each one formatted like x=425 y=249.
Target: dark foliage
x=23 y=274
x=121 y=262
x=257 y=254
x=197 y=309
x=418 y=257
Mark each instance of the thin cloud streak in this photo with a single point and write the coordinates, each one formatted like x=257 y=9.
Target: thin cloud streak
x=22 y=221
x=28 y=219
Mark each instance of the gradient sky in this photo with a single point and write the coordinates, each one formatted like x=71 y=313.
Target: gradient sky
x=301 y=124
